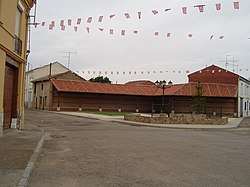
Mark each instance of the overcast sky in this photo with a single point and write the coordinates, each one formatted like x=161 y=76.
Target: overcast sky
x=151 y=57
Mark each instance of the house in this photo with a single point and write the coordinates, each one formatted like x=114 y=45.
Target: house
x=215 y=74
x=42 y=88
x=33 y=74
x=14 y=17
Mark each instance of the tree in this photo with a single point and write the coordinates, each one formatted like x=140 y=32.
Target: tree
x=100 y=79
x=198 y=99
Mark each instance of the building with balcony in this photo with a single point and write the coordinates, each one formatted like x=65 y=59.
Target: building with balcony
x=14 y=21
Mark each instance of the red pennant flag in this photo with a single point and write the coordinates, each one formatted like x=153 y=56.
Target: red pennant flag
x=127 y=15
x=111 y=31
x=218 y=6
x=63 y=28
x=87 y=28
x=221 y=37
x=36 y=24
x=236 y=5
x=154 y=12
x=100 y=18
x=75 y=28
x=61 y=22
x=69 y=22
x=168 y=34
x=89 y=20
x=201 y=7
x=167 y=9
x=52 y=23
x=135 y=32
x=156 y=33
x=101 y=29
x=43 y=23
x=184 y=10
x=111 y=16
x=78 y=21
x=190 y=35
x=123 y=32
x=211 y=37
x=139 y=15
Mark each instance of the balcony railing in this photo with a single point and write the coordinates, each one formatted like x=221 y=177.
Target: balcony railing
x=18 y=45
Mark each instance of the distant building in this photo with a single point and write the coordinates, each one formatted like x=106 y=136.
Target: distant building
x=31 y=75
x=14 y=17
x=42 y=88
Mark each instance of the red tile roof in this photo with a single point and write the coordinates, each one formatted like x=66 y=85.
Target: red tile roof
x=104 y=88
x=189 y=89
x=214 y=74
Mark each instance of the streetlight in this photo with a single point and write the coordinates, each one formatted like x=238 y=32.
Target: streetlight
x=162 y=84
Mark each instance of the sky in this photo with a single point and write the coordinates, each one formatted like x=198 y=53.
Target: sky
x=142 y=56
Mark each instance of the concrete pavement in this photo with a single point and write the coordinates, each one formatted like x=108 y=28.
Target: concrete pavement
x=19 y=149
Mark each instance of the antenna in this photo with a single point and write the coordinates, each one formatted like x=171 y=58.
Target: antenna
x=227 y=62
x=68 y=56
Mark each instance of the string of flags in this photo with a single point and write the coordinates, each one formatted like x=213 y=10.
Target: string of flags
x=117 y=72
x=184 y=10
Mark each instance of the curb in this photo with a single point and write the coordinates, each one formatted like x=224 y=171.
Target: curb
x=23 y=182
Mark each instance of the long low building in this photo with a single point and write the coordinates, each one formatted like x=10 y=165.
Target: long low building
x=145 y=96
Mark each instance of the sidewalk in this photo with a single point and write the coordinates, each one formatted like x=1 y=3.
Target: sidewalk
x=233 y=122
x=17 y=155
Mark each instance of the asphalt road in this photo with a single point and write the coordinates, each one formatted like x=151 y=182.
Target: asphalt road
x=86 y=152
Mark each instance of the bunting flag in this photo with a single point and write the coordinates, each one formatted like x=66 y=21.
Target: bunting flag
x=52 y=23
x=111 y=16
x=100 y=18
x=75 y=28
x=211 y=37
x=78 y=21
x=101 y=29
x=167 y=9
x=139 y=15
x=218 y=6
x=190 y=35
x=184 y=10
x=168 y=35
x=236 y=5
x=35 y=24
x=50 y=27
x=201 y=7
x=135 y=32
x=89 y=20
x=87 y=28
x=127 y=15
x=156 y=33
x=43 y=23
x=63 y=28
x=111 y=31
x=69 y=22
x=123 y=32
x=155 y=12
x=221 y=37
x=62 y=23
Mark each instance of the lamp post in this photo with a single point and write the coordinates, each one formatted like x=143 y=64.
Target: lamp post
x=162 y=84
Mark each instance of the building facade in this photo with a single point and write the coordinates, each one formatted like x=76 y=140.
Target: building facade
x=243 y=97
x=42 y=89
x=14 y=20
x=33 y=74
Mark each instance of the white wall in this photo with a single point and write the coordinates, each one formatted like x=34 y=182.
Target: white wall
x=243 y=97
x=38 y=73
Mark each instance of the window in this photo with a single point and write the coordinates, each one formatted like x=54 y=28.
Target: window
x=245 y=106
x=42 y=87
x=34 y=88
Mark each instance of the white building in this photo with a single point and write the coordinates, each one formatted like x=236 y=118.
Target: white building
x=243 y=97
x=52 y=68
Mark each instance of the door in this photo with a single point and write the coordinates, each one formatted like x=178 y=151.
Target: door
x=9 y=95
x=241 y=107
x=29 y=99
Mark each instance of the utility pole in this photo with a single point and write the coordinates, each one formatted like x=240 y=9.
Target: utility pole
x=68 y=56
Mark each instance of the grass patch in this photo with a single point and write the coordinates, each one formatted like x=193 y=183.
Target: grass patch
x=108 y=113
